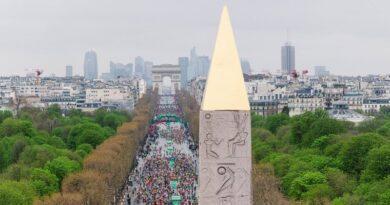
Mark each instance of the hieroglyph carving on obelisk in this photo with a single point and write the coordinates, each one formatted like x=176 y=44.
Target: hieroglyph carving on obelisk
x=225 y=131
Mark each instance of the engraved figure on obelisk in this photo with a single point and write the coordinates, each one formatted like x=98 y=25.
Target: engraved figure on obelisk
x=210 y=141
x=240 y=138
x=228 y=179
x=208 y=177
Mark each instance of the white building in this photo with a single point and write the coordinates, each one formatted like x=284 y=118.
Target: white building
x=106 y=94
x=32 y=90
x=196 y=87
x=306 y=100
x=354 y=100
x=372 y=105
x=300 y=105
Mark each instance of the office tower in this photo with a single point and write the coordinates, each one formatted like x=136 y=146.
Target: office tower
x=192 y=71
x=68 y=71
x=148 y=72
x=139 y=66
x=321 y=71
x=203 y=66
x=184 y=63
x=90 y=66
x=198 y=65
x=245 y=66
x=119 y=70
x=288 y=58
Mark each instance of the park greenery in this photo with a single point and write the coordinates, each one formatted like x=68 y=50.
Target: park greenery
x=77 y=158
x=320 y=160
x=39 y=148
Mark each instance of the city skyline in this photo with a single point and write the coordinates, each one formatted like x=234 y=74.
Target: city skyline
x=52 y=34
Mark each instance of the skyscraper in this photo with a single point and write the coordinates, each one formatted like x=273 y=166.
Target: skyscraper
x=139 y=66
x=68 y=71
x=192 y=71
x=203 y=65
x=198 y=65
x=90 y=66
x=148 y=65
x=121 y=70
x=288 y=58
x=321 y=71
x=184 y=63
x=245 y=66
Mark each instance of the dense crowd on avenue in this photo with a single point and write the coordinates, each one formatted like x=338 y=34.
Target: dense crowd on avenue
x=165 y=168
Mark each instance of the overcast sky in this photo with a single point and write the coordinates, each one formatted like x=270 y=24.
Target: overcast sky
x=348 y=36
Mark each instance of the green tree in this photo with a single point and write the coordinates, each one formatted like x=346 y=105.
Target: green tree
x=54 y=111
x=378 y=163
x=61 y=166
x=87 y=148
x=99 y=115
x=286 y=110
x=280 y=162
x=37 y=155
x=91 y=137
x=300 y=125
x=19 y=193
x=257 y=120
x=305 y=183
x=318 y=194
x=5 y=151
x=384 y=131
x=369 y=125
x=85 y=132
x=339 y=181
x=75 y=113
x=17 y=172
x=4 y=114
x=260 y=150
x=11 y=126
x=353 y=153
x=322 y=142
x=44 y=182
x=321 y=127
x=17 y=149
x=375 y=192
x=112 y=120
x=297 y=169
x=273 y=122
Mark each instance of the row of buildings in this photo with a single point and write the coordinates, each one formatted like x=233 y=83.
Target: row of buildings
x=69 y=93
x=351 y=98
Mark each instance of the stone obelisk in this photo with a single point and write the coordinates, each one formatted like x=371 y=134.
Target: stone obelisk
x=225 y=128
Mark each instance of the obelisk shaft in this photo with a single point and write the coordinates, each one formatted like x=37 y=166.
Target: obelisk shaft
x=225 y=128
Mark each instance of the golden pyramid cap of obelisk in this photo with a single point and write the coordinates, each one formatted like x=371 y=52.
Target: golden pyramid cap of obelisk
x=225 y=87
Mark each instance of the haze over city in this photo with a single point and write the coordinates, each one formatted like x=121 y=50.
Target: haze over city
x=350 y=37
x=180 y=102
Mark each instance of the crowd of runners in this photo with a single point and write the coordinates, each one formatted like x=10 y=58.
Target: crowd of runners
x=166 y=166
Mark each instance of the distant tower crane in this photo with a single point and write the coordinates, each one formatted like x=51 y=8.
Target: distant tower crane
x=295 y=76
x=38 y=73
